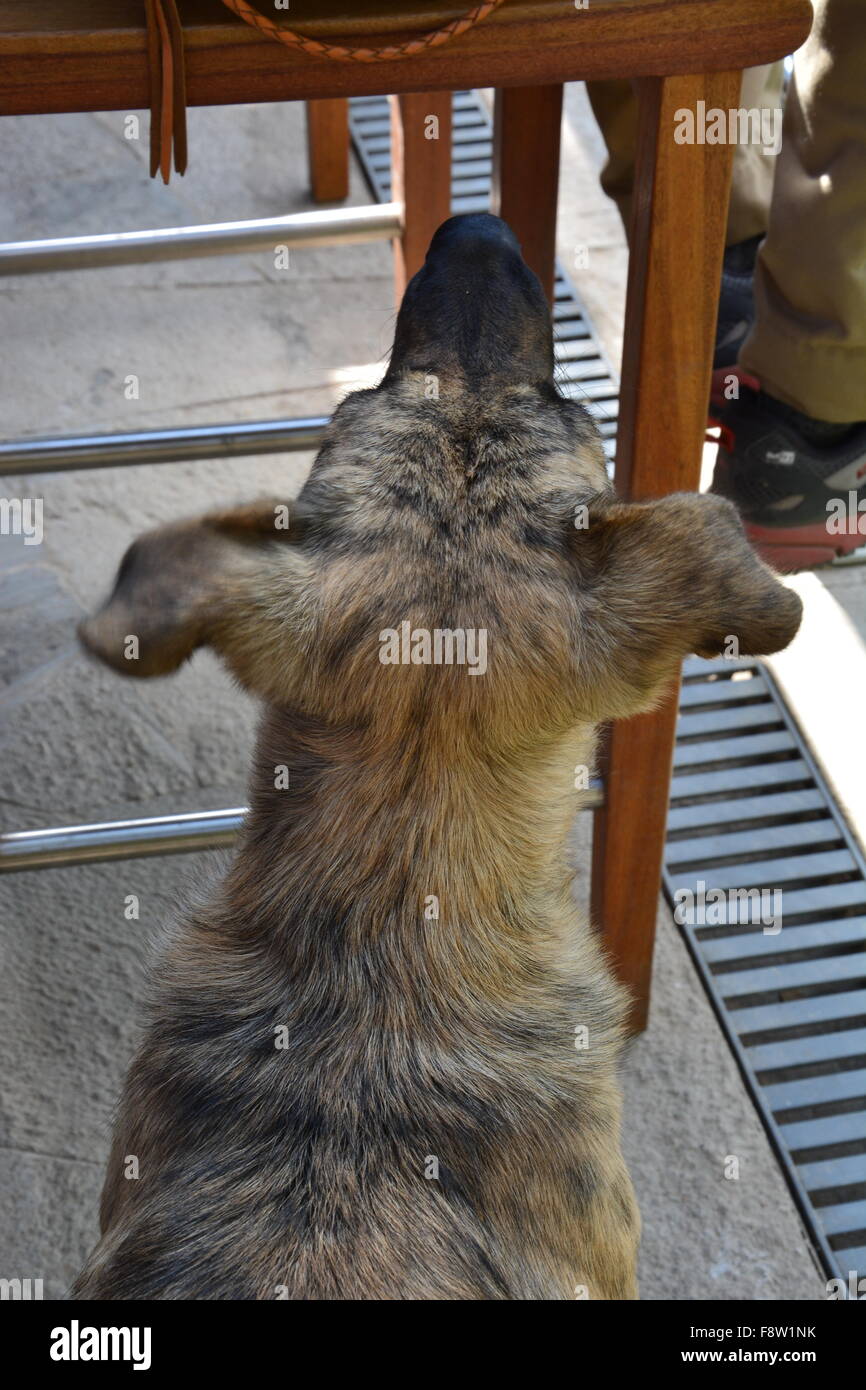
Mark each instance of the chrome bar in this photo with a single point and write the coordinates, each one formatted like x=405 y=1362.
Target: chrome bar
x=119 y=839
x=68 y=452
x=139 y=839
x=337 y=226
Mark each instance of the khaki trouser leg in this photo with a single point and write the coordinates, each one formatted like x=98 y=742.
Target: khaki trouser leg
x=615 y=109
x=808 y=344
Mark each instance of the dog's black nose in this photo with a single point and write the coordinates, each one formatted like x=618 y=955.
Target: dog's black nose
x=474 y=234
x=474 y=309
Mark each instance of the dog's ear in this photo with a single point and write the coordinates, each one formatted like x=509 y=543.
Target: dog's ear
x=222 y=581
x=666 y=578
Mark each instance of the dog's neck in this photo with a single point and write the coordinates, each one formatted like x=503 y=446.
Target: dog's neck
x=440 y=858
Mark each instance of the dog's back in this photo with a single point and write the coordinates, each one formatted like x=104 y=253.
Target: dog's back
x=380 y=1062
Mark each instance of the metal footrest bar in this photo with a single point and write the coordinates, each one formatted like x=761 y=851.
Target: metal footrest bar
x=139 y=839
x=377 y=222
x=119 y=839
x=67 y=452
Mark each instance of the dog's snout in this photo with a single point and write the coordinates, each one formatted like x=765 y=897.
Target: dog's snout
x=474 y=309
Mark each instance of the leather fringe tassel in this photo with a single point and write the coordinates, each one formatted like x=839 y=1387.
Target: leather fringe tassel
x=167 y=88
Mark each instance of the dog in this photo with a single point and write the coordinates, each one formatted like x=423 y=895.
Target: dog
x=359 y=1078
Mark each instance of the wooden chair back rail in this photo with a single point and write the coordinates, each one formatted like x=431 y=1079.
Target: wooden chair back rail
x=92 y=56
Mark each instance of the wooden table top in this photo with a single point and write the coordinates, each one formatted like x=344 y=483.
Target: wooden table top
x=90 y=55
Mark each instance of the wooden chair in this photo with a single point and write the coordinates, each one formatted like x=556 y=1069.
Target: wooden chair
x=55 y=56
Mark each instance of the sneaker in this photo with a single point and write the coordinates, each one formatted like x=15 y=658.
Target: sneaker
x=799 y=484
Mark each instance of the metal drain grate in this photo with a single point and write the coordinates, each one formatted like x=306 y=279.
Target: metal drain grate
x=750 y=811
x=582 y=369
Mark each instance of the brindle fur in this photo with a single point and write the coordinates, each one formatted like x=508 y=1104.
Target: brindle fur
x=301 y=1171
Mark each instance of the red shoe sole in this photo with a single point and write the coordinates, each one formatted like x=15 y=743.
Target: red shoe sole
x=801 y=548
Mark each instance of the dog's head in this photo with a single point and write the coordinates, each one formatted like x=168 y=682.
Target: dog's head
x=463 y=495
x=474 y=311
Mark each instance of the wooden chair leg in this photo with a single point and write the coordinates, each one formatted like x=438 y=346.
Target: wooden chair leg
x=328 y=148
x=526 y=128
x=675 y=263
x=420 y=174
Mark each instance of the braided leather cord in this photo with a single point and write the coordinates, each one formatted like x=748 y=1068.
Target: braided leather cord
x=291 y=39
